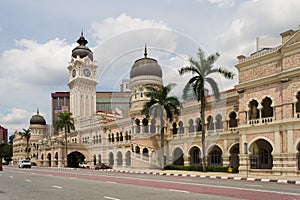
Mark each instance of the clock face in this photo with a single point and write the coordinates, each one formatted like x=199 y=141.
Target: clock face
x=73 y=72
x=86 y=72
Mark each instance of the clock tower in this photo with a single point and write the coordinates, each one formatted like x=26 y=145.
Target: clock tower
x=82 y=80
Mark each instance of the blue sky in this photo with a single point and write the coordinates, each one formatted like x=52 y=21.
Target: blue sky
x=36 y=39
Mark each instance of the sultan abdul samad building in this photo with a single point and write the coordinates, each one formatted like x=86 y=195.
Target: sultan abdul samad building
x=262 y=112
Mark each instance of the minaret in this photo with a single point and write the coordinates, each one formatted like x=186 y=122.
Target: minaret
x=82 y=80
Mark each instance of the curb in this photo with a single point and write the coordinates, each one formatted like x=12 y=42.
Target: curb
x=212 y=177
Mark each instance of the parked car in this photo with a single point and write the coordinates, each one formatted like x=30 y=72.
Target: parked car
x=102 y=166
x=5 y=163
x=84 y=165
x=24 y=164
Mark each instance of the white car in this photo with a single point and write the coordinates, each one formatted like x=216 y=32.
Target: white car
x=24 y=164
x=84 y=165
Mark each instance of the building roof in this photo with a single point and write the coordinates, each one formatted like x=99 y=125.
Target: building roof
x=37 y=119
x=145 y=67
x=82 y=50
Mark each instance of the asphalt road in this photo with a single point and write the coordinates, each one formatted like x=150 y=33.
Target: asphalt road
x=49 y=183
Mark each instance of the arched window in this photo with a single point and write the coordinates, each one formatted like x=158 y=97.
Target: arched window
x=145 y=125
x=253 y=110
x=267 y=110
x=109 y=138
x=232 y=120
x=137 y=150
x=219 y=122
x=138 y=128
x=174 y=125
x=191 y=126
x=121 y=136
x=181 y=128
x=198 y=125
x=145 y=152
x=126 y=135
x=210 y=123
x=117 y=138
x=112 y=138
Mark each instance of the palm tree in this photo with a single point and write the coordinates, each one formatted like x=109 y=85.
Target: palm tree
x=159 y=103
x=201 y=71
x=26 y=134
x=66 y=122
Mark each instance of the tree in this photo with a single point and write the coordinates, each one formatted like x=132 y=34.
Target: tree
x=159 y=103
x=26 y=134
x=66 y=122
x=201 y=71
x=5 y=152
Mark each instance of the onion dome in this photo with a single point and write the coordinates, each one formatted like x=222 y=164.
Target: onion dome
x=82 y=50
x=145 y=67
x=37 y=119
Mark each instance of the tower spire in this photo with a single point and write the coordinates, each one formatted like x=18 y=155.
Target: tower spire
x=37 y=111
x=145 y=53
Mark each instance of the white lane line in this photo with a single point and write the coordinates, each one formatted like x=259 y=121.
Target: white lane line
x=110 y=182
x=27 y=180
x=11 y=177
x=183 y=191
x=112 y=198
x=56 y=186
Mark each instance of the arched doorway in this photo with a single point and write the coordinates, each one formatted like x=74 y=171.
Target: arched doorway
x=261 y=157
x=111 y=159
x=56 y=158
x=195 y=156
x=215 y=156
x=234 y=155
x=49 y=159
x=128 y=158
x=119 y=159
x=74 y=158
x=178 y=157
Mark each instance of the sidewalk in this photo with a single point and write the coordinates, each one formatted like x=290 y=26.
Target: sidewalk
x=215 y=175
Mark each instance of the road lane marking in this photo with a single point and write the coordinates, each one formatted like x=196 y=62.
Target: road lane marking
x=183 y=191
x=28 y=180
x=11 y=177
x=112 y=198
x=111 y=182
x=56 y=186
x=214 y=186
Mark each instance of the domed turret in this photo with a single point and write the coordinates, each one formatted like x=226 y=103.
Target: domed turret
x=82 y=50
x=37 y=119
x=145 y=67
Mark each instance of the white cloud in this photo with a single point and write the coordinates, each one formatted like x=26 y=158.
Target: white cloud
x=222 y=2
x=16 y=119
x=34 y=63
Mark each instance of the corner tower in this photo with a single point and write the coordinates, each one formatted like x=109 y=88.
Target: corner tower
x=82 y=80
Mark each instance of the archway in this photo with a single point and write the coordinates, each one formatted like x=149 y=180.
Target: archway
x=74 y=158
x=111 y=159
x=215 y=156
x=261 y=157
x=49 y=159
x=128 y=158
x=178 y=157
x=195 y=156
x=119 y=159
x=234 y=155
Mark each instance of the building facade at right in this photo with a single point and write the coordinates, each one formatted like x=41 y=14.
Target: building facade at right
x=269 y=108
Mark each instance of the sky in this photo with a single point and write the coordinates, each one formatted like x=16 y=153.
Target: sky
x=37 y=37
